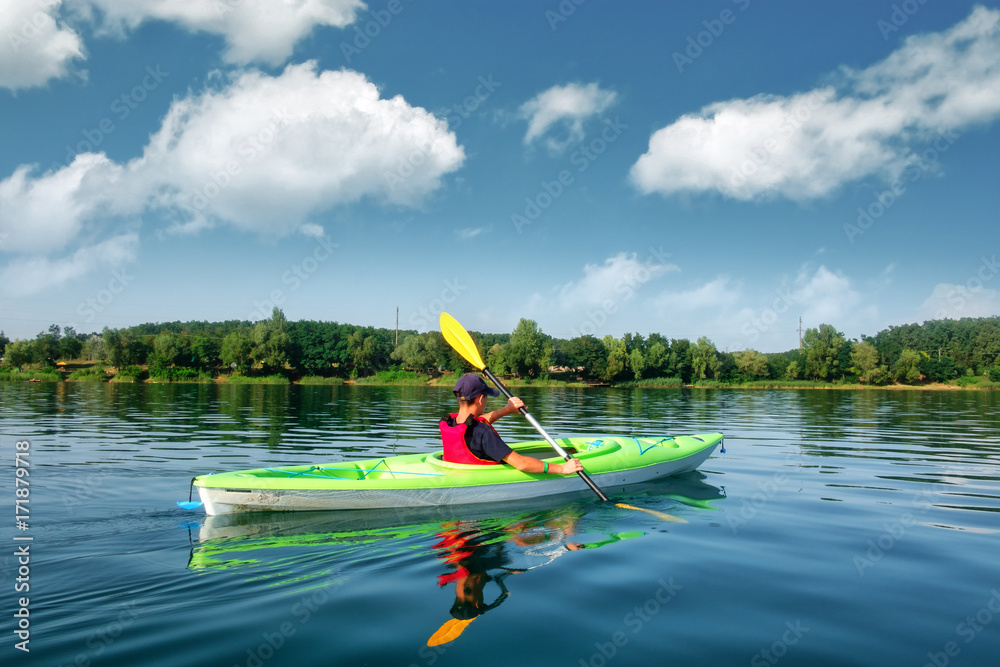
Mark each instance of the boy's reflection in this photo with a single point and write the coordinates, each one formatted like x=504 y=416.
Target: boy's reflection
x=476 y=557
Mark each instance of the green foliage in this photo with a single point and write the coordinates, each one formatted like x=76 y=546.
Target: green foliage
x=938 y=351
x=128 y=374
x=822 y=349
x=907 y=367
x=317 y=379
x=189 y=375
x=19 y=354
x=651 y=383
x=586 y=354
x=396 y=377
x=421 y=352
x=259 y=379
x=617 y=359
x=124 y=348
x=864 y=364
x=235 y=351
x=751 y=364
x=92 y=374
x=523 y=354
x=269 y=342
x=704 y=359
x=45 y=375
x=637 y=363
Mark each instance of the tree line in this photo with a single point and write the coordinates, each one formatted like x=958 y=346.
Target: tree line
x=935 y=351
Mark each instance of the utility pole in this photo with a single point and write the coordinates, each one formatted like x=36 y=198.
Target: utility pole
x=397 y=326
x=800 y=332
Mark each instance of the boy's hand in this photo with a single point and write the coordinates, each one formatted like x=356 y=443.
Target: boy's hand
x=570 y=467
x=514 y=404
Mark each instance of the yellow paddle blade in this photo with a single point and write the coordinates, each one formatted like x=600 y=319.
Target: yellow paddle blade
x=450 y=631
x=459 y=338
x=662 y=515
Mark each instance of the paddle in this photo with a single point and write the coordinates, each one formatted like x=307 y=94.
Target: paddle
x=189 y=504
x=460 y=339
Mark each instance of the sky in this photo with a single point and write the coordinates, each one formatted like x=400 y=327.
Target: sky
x=726 y=168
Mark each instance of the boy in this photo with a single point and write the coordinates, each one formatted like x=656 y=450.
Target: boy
x=468 y=435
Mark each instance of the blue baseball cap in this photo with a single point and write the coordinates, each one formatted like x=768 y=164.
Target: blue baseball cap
x=470 y=387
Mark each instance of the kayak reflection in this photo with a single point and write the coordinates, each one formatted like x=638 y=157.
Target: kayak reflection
x=477 y=548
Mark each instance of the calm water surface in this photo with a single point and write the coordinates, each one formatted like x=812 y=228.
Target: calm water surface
x=839 y=528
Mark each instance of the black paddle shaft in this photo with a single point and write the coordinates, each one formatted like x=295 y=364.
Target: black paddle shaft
x=548 y=438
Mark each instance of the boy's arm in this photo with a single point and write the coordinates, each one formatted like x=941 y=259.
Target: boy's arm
x=513 y=405
x=531 y=464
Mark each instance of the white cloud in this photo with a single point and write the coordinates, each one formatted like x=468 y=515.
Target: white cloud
x=34 y=46
x=615 y=281
x=259 y=153
x=804 y=146
x=948 y=301
x=736 y=318
x=826 y=297
x=720 y=292
x=604 y=291
x=468 y=233
x=46 y=213
x=312 y=230
x=255 y=30
x=565 y=107
x=30 y=275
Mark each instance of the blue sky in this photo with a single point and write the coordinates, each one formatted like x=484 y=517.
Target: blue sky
x=713 y=169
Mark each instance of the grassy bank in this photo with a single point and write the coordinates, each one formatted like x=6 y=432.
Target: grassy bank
x=236 y=378
x=317 y=379
x=395 y=378
x=47 y=374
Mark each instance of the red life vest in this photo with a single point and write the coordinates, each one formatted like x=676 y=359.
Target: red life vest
x=453 y=442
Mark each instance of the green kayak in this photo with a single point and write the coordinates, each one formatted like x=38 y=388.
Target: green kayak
x=424 y=480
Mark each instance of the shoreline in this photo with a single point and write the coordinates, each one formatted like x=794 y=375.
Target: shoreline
x=426 y=381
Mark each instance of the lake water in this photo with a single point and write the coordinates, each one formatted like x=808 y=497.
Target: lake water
x=838 y=528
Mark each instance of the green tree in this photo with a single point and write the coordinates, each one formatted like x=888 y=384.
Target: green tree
x=235 y=351
x=822 y=348
x=4 y=341
x=680 y=359
x=864 y=364
x=270 y=342
x=637 y=363
x=167 y=349
x=47 y=345
x=586 y=355
x=19 y=353
x=496 y=361
x=704 y=359
x=94 y=349
x=123 y=348
x=70 y=345
x=205 y=351
x=617 y=359
x=419 y=352
x=364 y=351
x=751 y=364
x=793 y=372
x=524 y=352
x=657 y=358
x=907 y=367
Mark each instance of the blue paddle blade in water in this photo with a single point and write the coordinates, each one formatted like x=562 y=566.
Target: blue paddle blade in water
x=189 y=504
